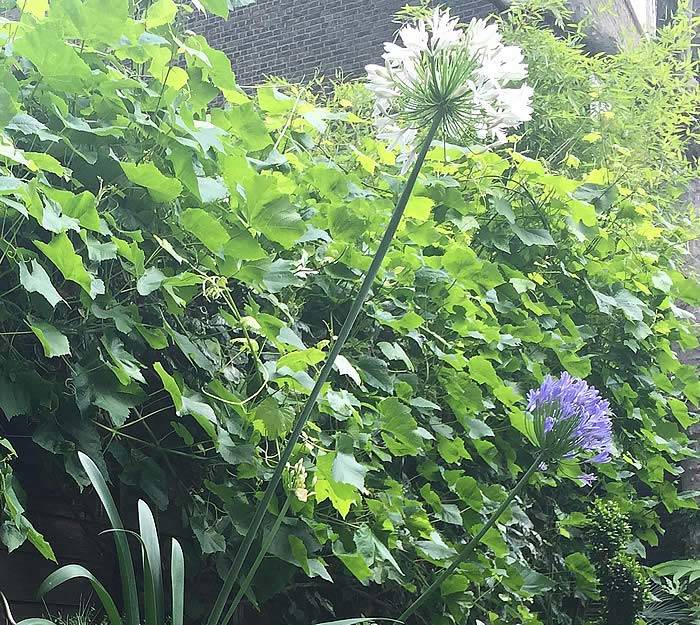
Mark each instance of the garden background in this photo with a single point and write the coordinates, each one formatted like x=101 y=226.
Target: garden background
x=178 y=251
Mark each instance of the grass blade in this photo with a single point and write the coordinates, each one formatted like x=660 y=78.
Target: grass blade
x=152 y=567
x=28 y=621
x=75 y=571
x=177 y=575
x=126 y=564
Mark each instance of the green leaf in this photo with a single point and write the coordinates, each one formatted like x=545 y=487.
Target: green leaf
x=177 y=583
x=60 y=252
x=356 y=564
x=346 y=470
x=278 y=220
x=494 y=540
x=522 y=422
x=398 y=428
x=482 y=371
x=162 y=188
x=532 y=582
x=342 y=496
x=679 y=569
x=631 y=306
x=662 y=281
x=206 y=228
x=53 y=221
x=376 y=373
x=170 y=385
x=14 y=398
x=81 y=207
x=117 y=405
x=209 y=538
x=463 y=395
x=11 y=536
x=150 y=281
x=586 y=579
x=38 y=281
x=454 y=584
x=126 y=565
x=52 y=340
x=452 y=451
x=680 y=411
x=533 y=237
x=344 y=367
x=122 y=363
x=98 y=20
x=202 y=412
x=407 y=323
x=270 y=276
x=576 y=365
x=467 y=488
x=276 y=420
x=153 y=573
x=272 y=100
x=477 y=429
x=46 y=162
x=161 y=12
x=299 y=552
x=217 y=66
x=344 y=223
x=435 y=548
x=419 y=208
x=249 y=128
x=99 y=252
x=57 y=62
x=242 y=246
x=28 y=125
x=8 y=107
x=75 y=571
x=217 y=7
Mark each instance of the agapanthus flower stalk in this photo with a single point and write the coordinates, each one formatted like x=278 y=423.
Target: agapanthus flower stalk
x=217 y=615
x=446 y=82
x=569 y=420
x=463 y=72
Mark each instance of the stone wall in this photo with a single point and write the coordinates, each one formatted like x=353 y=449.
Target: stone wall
x=297 y=38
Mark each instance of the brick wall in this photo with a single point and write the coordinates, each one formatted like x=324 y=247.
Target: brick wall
x=296 y=38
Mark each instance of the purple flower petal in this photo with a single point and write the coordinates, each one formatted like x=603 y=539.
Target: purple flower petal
x=557 y=402
x=587 y=478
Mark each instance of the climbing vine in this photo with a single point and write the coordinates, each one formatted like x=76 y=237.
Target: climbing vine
x=177 y=254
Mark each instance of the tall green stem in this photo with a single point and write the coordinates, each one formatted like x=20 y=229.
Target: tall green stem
x=261 y=509
x=245 y=584
x=471 y=545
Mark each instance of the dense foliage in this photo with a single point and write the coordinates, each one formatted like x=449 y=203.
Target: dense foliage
x=624 y=585
x=173 y=270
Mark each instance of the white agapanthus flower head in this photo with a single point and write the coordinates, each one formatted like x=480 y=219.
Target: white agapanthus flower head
x=462 y=73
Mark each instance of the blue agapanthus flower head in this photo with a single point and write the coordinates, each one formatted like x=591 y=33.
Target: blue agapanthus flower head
x=570 y=418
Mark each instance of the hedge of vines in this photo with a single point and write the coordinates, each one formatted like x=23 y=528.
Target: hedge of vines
x=177 y=253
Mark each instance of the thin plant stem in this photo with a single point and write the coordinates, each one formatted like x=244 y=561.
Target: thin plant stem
x=471 y=545
x=245 y=584
x=261 y=509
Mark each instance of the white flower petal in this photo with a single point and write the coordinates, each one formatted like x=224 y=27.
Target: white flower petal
x=495 y=97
